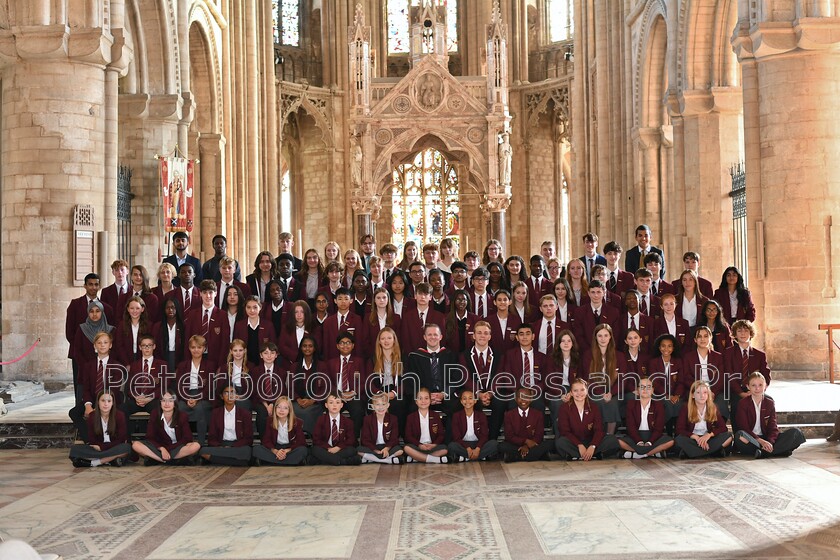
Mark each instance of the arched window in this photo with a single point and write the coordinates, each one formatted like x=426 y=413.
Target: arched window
x=398 y=24
x=425 y=200
x=561 y=20
x=286 y=22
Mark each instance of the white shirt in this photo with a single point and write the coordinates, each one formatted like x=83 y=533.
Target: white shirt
x=566 y=364
x=383 y=321
x=643 y=425
x=106 y=437
x=637 y=318
x=172 y=329
x=563 y=313
x=230 y=425
x=689 y=310
x=186 y=295
x=700 y=428
x=672 y=326
x=398 y=306
x=542 y=343
x=576 y=293
x=299 y=332
x=170 y=431
x=484 y=300
x=733 y=304
x=193 y=376
x=503 y=324
x=425 y=434
x=757 y=428
x=704 y=367
x=231 y=322
x=135 y=331
x=380 y=432
x=236 y=375
x=337 y=421
x=283 y=434
x=223 y=286
x=469 y=435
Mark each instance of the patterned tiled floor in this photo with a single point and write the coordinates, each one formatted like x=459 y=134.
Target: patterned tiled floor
x=781 y=508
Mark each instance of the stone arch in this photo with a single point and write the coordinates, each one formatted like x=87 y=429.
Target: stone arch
x=203 y=71
x=155 y=68
x=471 y=162
x=654 y=29
x=654 y=74
x=203 y=30
x=704 y=54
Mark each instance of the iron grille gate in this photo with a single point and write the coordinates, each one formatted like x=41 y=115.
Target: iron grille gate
x=124 y=197
x=739 y=216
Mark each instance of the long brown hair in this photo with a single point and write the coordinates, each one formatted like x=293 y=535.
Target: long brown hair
x=379 y=356
x=607 y=362
x=144 y=317
x=290 y=420
x=711 y=408
x=373 y=317
x=112 y=416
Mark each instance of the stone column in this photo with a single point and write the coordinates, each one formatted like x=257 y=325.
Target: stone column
x=648 y=140
x=797 y=66
x=211 y=176
x=497 y=205
x=366 y=209
x=53 y=158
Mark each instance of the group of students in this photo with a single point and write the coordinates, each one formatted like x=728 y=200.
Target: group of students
x=298 y=334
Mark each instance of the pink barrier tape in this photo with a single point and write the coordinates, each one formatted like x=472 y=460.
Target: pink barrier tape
x=22 y=356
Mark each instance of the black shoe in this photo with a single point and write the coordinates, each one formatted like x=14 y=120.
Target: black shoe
x=683 y=455
x=352 y=461
x=80 y=463
x=510 y=457
x=118 y=462
x=149 y=462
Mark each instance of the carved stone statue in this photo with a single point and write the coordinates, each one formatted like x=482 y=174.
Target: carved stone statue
x=505 y=159
x=356 y=164
x=429 y=91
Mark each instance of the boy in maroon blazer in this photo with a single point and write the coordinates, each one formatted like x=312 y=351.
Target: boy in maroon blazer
x=538 y=285
x=187 y=293
x=380 y=439
x=525 y=367
x=587 y=316
x=347 y=376
x=482 y=364
x=470 y=433
x=546 y=338
x=618 y=281
x=414 y=320
x=227 y=268
x=210 y=322
x=334 y=439
x=111 y=294
x=271 y=382
x=193 y=385
x=632 y=318
x=759 y=435
x=654 y=263
x=649 y=304
x=739 y=361
x=343 y=320
x=524 y=431
x=146 y=376
x=481 y=302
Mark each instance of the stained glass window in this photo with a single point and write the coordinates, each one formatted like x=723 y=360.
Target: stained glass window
x=286 y=22
x=561 y=19
x=425 y=201
x=398 y=24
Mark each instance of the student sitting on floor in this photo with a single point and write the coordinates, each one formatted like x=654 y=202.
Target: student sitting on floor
x=283 y=441
x=645 y=425
x=169 y=439
x=470 y=433
x=334 y=439
x=759 y=435
x=701 y=431
x=380 y=440
x=581 y=429
x=231 y=433
x=524 y=430
x=107 y=436
x=424 y=432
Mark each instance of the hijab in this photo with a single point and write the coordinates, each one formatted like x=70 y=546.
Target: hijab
x=92 y=328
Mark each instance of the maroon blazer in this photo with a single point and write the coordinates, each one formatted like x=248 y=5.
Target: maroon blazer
x=124 y=342
x=205 y=370
x=82 y=350
x=411 y=337
x=305 y=384
x=644 y=324
x=655 y=419
x=157 y=436
x=266 y=328
x=288 y=346
x=296 y=436
x=329 y=332
x=624 y=281
x=589 y=431
x=654 y=305
x=500 y=341
x=323 y=429
x=412 y=428
x=683 y=336
x=390 y=431
x=559 y=325
x=686 y=428
x=656 y=369
x=639 y=366
x=691 y=371
x=744 y=311
x=459 y=428
x=480 y=380
x=699 y=300
x=453 y=341
x=473 y=308
x=76 y=315
x=583 y=323
x=119 y=436
x=153 y=305
x=158 y=291
x=267 y=313
x=269 y=387
x=115 y=376
x=703 y=286
x=195 y=299
x=513 y=364
x=745 y=418
x=356 y=363
x=160 y=347
x=330 y=295
x=109 y=296
x=370 y=332
x=517 y=430
x=664 y=288
x=733 y=364
x=246 y=291
x=534 y=293
x=218 y=335
x=137 y=385
x=622 y=384
x=244 y=427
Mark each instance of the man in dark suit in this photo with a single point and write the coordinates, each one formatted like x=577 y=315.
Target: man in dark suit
x=367 y=249
x=635 y=256
x=181 y=243
x=287 y=243
x=591 y=256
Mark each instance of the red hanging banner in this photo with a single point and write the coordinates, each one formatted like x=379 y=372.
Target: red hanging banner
x=176 y=181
